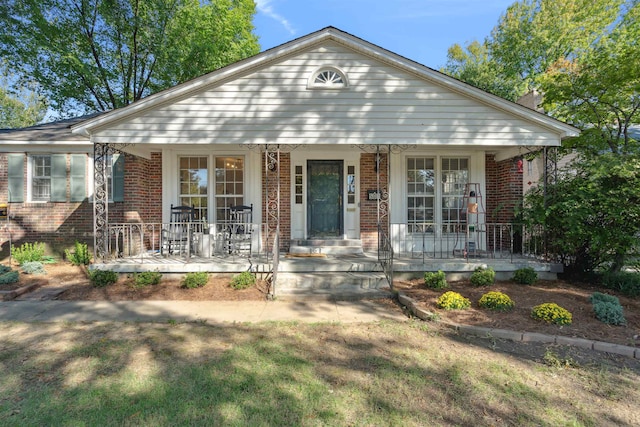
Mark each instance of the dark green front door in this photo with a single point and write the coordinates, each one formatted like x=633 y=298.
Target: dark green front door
x=324 y=203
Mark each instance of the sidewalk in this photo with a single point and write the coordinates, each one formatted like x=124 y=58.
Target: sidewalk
x=198 y=311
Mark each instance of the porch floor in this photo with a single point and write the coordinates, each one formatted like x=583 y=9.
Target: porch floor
x=405 y=266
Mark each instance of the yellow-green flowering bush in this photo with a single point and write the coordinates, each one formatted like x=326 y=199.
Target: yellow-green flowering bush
x=496 y=301
x=453 y=301
x=551 y=313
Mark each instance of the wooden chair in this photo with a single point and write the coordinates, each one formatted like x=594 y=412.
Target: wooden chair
x=178 y=235
x=240 y=230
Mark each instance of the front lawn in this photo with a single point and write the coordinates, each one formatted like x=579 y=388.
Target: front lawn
x=408 y=373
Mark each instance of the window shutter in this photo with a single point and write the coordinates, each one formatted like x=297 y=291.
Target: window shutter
x=16 y=178
x=59 y=178
x=118 y=178
x=78 y=177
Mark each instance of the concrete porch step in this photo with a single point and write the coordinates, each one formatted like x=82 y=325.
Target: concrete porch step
x=332 y=285
x=326 y=246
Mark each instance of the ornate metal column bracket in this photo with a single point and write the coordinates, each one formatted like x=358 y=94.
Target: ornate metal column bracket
x=101 y=155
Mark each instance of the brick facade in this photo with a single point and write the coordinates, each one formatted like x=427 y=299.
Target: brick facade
x=369 y=208
x=60 y=224
x=270 y=190
x=504 y=198
x=504 y=189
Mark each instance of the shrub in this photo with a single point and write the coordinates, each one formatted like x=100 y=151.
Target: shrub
x=80 y=254
x=147 y=278
x=4 y=269
x=102 y=278
x=9 y=277
x=483 y=276
x=28 y=252
x=496 y=301
x=244 y=280
x=607 y=308
x=435 y=280
x=626 y=282
x=551 y=313
x=600 y=297
x=453 y=301
x=195 y=280
x=525 y=276
x=609 y=313
x=33 y=267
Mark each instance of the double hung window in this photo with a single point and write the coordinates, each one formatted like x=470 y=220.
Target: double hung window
x=435 y=188
x=198 y=176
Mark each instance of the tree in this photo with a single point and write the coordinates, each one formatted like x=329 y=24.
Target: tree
x=533 y=34
x=600 y=90
x=96 y=55
x=582 y=55
x=19 y=106
x=529 y=37
x=473 y=65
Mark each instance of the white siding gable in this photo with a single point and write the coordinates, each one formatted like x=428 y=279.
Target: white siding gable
x=383 y=104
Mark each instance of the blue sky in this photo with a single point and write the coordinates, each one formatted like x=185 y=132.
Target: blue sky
x=421 y=30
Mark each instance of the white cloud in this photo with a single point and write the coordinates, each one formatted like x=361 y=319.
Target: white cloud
x=264 y=6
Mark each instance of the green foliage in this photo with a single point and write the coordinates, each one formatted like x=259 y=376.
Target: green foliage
x=4 y=269
x=551 y=313
x=147 y=278
x=28 y=252
x=607 y=308
x=435 y=280
x=474 y=65
x=600 y=297
x=453 y=301
x=102 y=278
x=609 y=312
x=20 y=104
x=9 y=276
x=496 y=301
x=195 y=280
x=482 y=276
x=552 y=359
x=33 y=267
x=591 y=213
x=244 y=280
x=525 y=276
x=102 y=55
x=80 y=254
x=625 y=282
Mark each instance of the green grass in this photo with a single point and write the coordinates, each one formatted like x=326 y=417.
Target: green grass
x=290 y=374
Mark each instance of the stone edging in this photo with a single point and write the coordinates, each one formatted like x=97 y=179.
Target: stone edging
x=622 y=350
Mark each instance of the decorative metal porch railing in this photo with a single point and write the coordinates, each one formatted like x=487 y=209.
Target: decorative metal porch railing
x=430 y=240
x=147 y=241
x=385 y=255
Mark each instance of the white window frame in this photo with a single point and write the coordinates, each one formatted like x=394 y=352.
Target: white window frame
x=438 y=193
x=313 y=82
x=31 y=169
x=212 y=194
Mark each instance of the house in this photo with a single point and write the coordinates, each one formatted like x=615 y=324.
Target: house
x=328 y=137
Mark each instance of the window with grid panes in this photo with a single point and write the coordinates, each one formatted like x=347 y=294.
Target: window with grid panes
x=41 y=179
x=420 y=194
x=454 y=176
x=229 y=185
x=194 y=185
